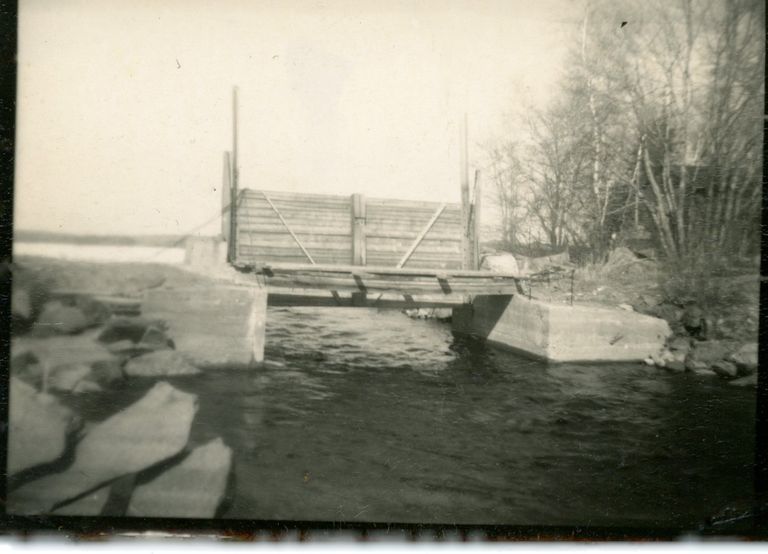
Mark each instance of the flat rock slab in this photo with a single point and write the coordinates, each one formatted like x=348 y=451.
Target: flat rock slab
x=147 y=432
x=55 y=351
x=194 y=488
x=65 y=378
x=38 y=427
x=60 y=318
x=160 y=364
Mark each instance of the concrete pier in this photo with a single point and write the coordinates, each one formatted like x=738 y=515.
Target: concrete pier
x=559 y=332
x=220 y=325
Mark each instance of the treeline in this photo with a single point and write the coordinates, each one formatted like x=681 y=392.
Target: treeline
x=657 y=123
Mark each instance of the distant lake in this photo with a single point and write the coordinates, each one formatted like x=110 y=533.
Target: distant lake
x=99 y=253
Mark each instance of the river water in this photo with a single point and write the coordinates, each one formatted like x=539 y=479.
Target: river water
x=370 y=416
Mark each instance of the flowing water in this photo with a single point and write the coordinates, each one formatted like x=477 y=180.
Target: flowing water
x=370 y=416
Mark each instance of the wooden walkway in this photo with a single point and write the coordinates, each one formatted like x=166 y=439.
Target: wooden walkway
x=369 y=286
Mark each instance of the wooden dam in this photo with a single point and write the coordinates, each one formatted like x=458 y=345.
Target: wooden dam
x=308 y=249
x=323 y=250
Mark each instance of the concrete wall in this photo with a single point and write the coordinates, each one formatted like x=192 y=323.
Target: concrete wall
x=220 y=325
x=202 y=252
x=562 y=333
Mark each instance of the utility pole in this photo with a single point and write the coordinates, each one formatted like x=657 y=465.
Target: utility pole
x=235 y=167
x=232 y=254
x=466 y=241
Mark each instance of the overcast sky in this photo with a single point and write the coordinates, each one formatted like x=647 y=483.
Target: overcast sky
x=124 y=106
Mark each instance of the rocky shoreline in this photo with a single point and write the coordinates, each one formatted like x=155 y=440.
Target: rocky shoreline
x=73 y=350
x=137 y=457
x=715 y=343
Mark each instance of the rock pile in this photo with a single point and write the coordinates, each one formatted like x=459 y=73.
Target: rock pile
x=140 y=460
x=729 y=360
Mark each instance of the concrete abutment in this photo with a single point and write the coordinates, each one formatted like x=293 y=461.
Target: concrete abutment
x=562 y=333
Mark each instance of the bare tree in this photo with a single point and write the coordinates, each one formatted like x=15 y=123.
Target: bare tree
x=695 y=81
x=555 y=166
x=508 y=179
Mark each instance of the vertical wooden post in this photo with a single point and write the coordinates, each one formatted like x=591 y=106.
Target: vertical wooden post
x=466 y=246
x=226 y=193
x=358 y=229
x=234 y=188
x=478 y=195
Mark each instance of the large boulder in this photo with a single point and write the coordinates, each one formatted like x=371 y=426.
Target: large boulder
x=711 y=351
x=725 y=369
x=65 y=378
x=21 y=304
x=160 y=364
x=154 y=338
x=679 y=344
x=28 y=295
x=621 y=256
x=38 y=426
x=60 y=360
x=26 y=366
x=193 y=488
x=671 y=314
x=81 y=377
x=129 y=328
x=694 y=320
x=500 y=263
x=745 y=358
x=106 y=372
x=151 y=430
x=58 y=318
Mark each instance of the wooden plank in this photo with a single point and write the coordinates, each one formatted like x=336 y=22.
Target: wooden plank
x=478 y=195
x=349 y=283
x=283 y=195
x=226 y=198
x=303 y=206
x=299 y=297
x=398 y=235
x=337 y=228
x=464 y=177
x=285 y=240
x=298 y=242
x=408 y=215
x=297 y=258
x=421 y=236
x=378 y=280
x=399 y=204
x=323 y=268
x=358 y=229
x=422 y=264
x=234 y=196
x=303 y=215
x=430 y=245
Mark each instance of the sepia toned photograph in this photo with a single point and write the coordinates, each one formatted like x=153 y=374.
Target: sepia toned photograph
x=462 y=263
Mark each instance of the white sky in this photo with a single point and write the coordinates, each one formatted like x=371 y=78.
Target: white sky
x=337 y=97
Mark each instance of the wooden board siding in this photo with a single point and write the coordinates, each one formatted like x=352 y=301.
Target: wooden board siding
x=393 y=225
x=321 y=222
x=324 y=226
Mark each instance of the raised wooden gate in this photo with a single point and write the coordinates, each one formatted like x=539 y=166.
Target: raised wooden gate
x=364 y=248
x=345 y=230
